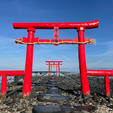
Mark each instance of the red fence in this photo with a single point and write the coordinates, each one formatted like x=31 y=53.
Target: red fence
x=4 y=75
x=106 y=74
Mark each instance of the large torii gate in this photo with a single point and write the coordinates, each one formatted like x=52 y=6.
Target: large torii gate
x=52 y=64
x=80 y=40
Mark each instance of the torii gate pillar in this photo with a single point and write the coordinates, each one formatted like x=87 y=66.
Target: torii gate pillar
x=82 y=62
x=49 y=69
x=28 y=65
x=59 y=68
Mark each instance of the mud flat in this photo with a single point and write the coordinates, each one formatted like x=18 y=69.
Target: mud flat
x=59 y=95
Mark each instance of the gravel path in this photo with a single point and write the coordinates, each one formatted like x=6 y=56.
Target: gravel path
x=67 y=86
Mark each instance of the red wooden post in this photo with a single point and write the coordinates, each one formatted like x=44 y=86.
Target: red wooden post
x=4 y=85
x=107 y=88
x=82 y=63
x=56 y=33
x=49 y=70
x=56 y=70
x=29 y=62
x=59 y=68
x=54 y=65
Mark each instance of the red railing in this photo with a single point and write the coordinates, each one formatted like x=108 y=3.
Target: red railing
x=4 y=75
x=106 y=74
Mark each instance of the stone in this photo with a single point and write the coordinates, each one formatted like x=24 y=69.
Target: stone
x=34 y=103
x=20 y=83
x=47 y=109
x=52 y=83
x=57 y=98
x=53 y=90
x=89 y=108
x=67 y=109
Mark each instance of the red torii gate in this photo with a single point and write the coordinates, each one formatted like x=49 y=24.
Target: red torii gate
x=80 y=40
x=30 y=41
x=52 y=64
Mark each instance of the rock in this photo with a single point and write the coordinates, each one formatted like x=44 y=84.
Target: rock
x=67 y=109
x=20 y=83
x=110 y=106
x=34 y=103
x=57 y=98
x=52 y=81
x=88 y=108
x=52 y=85
x=47 y=109
x=53 y=90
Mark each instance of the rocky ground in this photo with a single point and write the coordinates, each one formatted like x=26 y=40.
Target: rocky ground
x=69 y=98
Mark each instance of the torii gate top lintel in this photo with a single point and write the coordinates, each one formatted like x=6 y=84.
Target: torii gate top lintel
x=66 y=25
x=54 y=62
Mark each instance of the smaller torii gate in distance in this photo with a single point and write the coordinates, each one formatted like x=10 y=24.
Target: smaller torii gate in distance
x=52 y=64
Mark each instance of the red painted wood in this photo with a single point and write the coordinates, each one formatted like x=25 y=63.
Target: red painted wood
x=71 y=25
x=106 y=74
x=28 y=65
x=12 y=72
x=56 y=70
x=4 y=74
x=107 y=88
x=49 y=69
x=4 y=85
x=56 y=35
x=100 y=72
x=59 y=70
x=82 y=63
x=52 y=64
x=37 y=40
